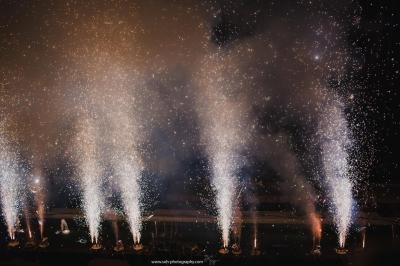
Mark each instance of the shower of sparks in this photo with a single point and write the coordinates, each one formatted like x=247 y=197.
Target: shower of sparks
x=61 y=56
x=315 y=221
x=130 y=193
x=10 y=184
x=126 y=133
x=89 y=175
x=336 y=143
x=222 y=122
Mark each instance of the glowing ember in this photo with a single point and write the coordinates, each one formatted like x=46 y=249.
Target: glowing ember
x=223 y=251
x=138 y=247
x=341 y=251
x=96 y=247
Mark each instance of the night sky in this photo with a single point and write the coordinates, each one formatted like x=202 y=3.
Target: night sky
x=283 y=63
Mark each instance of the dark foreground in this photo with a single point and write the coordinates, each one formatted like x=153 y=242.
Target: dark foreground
x=67 y=257
x=197 y=243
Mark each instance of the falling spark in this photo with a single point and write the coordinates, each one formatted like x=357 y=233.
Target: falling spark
x=89 y=176
x=10 y=184
x=335 y=144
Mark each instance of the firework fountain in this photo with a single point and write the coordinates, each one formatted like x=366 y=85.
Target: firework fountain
x=127 y=164
x=89 y=176
x=10 y=186
x=222 y=124
x=130 y=196
x=336 y=143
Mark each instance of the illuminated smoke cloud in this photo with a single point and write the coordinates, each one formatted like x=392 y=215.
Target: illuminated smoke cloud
x=335 y=145
x=10 y=183
x=89 y=175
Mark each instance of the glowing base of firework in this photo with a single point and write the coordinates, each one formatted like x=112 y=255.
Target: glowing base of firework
x=138 y=247
x=195 y=248
x=255 y=252
x=30 y=244
x=223 y=251
x=64 y=227
x=236 y=249
x=119 y=247
x=316 y=251
x=341 y=251
x=96 y=247
x=44 y=243
x=13 y=243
